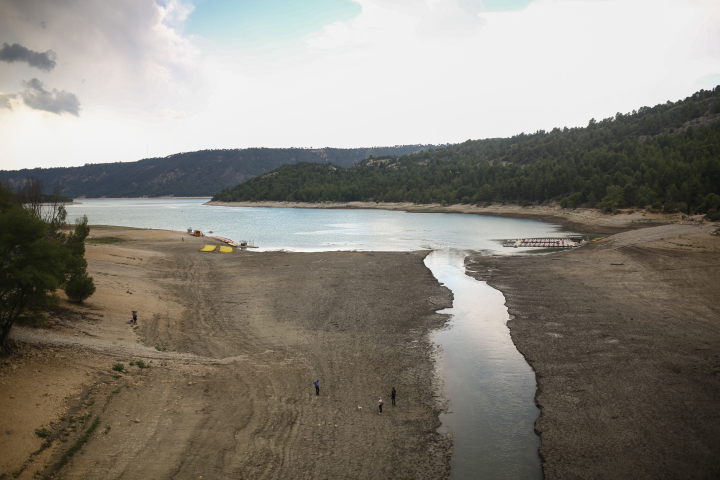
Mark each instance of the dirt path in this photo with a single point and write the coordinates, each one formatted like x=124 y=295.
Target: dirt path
x=235 y=342
x=624 y=337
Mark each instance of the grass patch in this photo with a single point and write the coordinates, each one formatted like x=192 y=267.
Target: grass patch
x=141 y=364
x=105 y=240
x=107 y=429
x=42 y=432
x=118 y=367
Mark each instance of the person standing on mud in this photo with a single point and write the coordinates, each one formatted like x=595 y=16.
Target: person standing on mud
x=380 y=404
x=317 y=387
x=392 y=396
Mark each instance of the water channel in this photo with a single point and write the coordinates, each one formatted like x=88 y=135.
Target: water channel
x=490 y=386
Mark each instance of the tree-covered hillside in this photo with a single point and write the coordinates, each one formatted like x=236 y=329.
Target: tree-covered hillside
x=189 y=174
x=667 y=156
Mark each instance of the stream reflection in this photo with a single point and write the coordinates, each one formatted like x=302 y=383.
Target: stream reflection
x=489 y=383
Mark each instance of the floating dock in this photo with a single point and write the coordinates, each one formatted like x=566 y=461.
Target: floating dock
x=240 y=244
x=541 y=243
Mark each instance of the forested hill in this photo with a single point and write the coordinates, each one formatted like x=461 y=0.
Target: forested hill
x=201 y=173
x=667 y=156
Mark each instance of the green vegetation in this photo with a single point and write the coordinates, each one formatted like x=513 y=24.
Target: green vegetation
x=37 y=257
x=666 y=157
x=42 y=432
x=105 y=240
x=191 y=174
x=140 y=364
x=48 y=198
x=118 y=367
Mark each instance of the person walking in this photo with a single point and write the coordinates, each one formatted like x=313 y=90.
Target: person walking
x=134 y=318
x=380 y=404
x=317 y=387
x=392 y=396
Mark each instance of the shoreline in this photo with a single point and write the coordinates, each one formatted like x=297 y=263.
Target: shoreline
x=582 y=220
x=163 y=197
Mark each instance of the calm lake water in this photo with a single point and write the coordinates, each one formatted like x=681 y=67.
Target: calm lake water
x=490 y=386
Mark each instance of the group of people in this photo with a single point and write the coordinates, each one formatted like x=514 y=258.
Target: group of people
x=393 y=393
x=392 y=397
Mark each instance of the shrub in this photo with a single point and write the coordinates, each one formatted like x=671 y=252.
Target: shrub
x=79 y=287
x=713 y=216
x=141 y=364
x=118 y=367
x=42 y=432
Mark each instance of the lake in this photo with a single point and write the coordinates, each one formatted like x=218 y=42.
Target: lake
x=490 y=385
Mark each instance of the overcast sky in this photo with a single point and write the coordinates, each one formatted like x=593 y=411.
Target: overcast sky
x=91 y=81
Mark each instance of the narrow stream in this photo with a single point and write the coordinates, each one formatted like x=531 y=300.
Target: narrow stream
x=490 y=385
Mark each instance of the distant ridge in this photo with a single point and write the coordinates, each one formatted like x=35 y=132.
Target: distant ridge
x=188 y=174
x=664 y=158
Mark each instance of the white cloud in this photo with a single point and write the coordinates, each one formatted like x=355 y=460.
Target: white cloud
x=404 y=71
x=399 y=74
x=110 y=53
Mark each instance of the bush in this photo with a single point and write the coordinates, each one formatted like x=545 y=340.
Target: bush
x=141 y=364
x=713 y=215
x=118 y=367
x=79 y=287
x=42 y=432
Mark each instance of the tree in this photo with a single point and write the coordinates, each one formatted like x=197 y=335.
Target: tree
x=78 y=285
x=31 y=266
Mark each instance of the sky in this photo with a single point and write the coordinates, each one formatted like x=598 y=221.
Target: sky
x=92 y=81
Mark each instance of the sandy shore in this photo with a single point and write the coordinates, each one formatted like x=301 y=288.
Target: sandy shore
x=582 y=220
x=624 y=338
x=234 y=341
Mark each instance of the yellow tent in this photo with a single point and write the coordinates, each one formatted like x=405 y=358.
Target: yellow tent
x=226 y=249
x=208 y=248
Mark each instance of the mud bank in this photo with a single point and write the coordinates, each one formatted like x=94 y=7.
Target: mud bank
x=624 y=338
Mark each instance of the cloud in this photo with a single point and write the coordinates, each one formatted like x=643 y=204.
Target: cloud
x=45 y=61
x=5 y=100
x=36 y=97
x=131 y=53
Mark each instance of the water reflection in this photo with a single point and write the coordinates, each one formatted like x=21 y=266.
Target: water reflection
x=489 y=383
